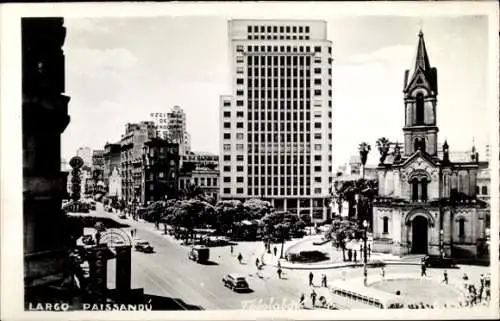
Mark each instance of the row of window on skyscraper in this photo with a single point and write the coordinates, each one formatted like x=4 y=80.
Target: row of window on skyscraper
x=288 y=49
x=280 y=29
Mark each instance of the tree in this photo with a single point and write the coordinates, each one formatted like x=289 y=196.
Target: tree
x=278 y=226
x=227 y=213
x=191 y=191
x=255 y=209
x=154 y=212
x=190 y=214
x=383 y=145
x=364 y=149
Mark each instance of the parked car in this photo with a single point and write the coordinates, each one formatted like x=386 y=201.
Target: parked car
x=199 y=254
x=143 y=246
x=88 y=240
x=235 y=282
x=438 y=261
x=122 y=216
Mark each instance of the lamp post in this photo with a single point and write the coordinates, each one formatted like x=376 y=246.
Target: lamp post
x=441 y=242
x=365 y=260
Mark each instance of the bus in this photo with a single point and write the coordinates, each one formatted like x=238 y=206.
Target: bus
x=347 y=296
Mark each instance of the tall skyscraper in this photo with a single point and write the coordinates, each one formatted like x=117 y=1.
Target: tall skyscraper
x=177 y=129
x=276 y=127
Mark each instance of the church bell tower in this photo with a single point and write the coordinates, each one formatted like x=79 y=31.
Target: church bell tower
x=420 y=96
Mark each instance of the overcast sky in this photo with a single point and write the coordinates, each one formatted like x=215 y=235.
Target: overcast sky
x=120 y=70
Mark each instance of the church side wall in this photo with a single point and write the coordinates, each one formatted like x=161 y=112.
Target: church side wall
x=382 y=243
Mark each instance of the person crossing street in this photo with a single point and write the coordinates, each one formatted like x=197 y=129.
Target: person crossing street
x=311 y=277
x=445 y=277
x=313 y=298
x=423 y=269
x=240 y=257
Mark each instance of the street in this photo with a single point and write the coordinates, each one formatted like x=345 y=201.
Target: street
x=169 y=273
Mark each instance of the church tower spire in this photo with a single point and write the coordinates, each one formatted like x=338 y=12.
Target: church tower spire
x=422 y=59
x=420 y=92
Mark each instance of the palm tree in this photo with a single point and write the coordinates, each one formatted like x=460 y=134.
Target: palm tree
x=383 y=145
x=191 y=191
x=364 y=149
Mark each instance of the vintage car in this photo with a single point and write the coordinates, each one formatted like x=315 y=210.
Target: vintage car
x=199 y=254
x=438 y=261
x=235 y=282
x=143 y=246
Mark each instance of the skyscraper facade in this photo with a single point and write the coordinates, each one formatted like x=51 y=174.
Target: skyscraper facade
x=177 y=131
x=276 y=126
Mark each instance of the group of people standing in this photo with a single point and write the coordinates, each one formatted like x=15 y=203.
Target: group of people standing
x=352 y=254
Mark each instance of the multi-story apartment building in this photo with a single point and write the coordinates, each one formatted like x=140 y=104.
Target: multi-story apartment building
x=112 y=156
x=276 y=127
x=160 y=172
x=205 y=178
x=132 y=145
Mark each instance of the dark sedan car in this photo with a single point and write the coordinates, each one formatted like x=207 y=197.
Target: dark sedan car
x=235 y=282
x=143 y=246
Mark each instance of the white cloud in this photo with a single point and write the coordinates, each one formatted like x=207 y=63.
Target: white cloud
x=100 y=63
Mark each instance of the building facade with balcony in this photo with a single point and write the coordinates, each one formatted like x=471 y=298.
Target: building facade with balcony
x=427 y=204
x=205 y=178
x=160 y=171
x=131 y=156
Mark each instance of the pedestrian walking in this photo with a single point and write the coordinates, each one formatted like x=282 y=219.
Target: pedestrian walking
x=481 y=280
x=324 y=281
x=279 y=265
x=465 y=279
x=382 y=272
x=279 y=273
x=302 y=300
x=488 y=294
x=275 y=249
x=349 y=255
x=369 y=250
x=355 y=255
x=240 y=257
x=132 y=232
x=445 y=277
x=313 y=298
x=257 y=262
x=423 y=269
x=311 y=277
x=361 y=251
x=232 y=249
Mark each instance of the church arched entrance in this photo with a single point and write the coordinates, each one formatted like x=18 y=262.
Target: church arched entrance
x=419 y=228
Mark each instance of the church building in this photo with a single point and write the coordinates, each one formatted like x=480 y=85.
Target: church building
x=427 y=204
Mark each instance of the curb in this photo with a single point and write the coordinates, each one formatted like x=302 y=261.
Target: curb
x=339 y=266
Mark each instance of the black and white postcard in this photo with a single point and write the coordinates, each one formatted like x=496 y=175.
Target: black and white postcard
x=250 y=160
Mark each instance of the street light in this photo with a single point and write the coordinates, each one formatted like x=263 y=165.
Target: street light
x=365 y=239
